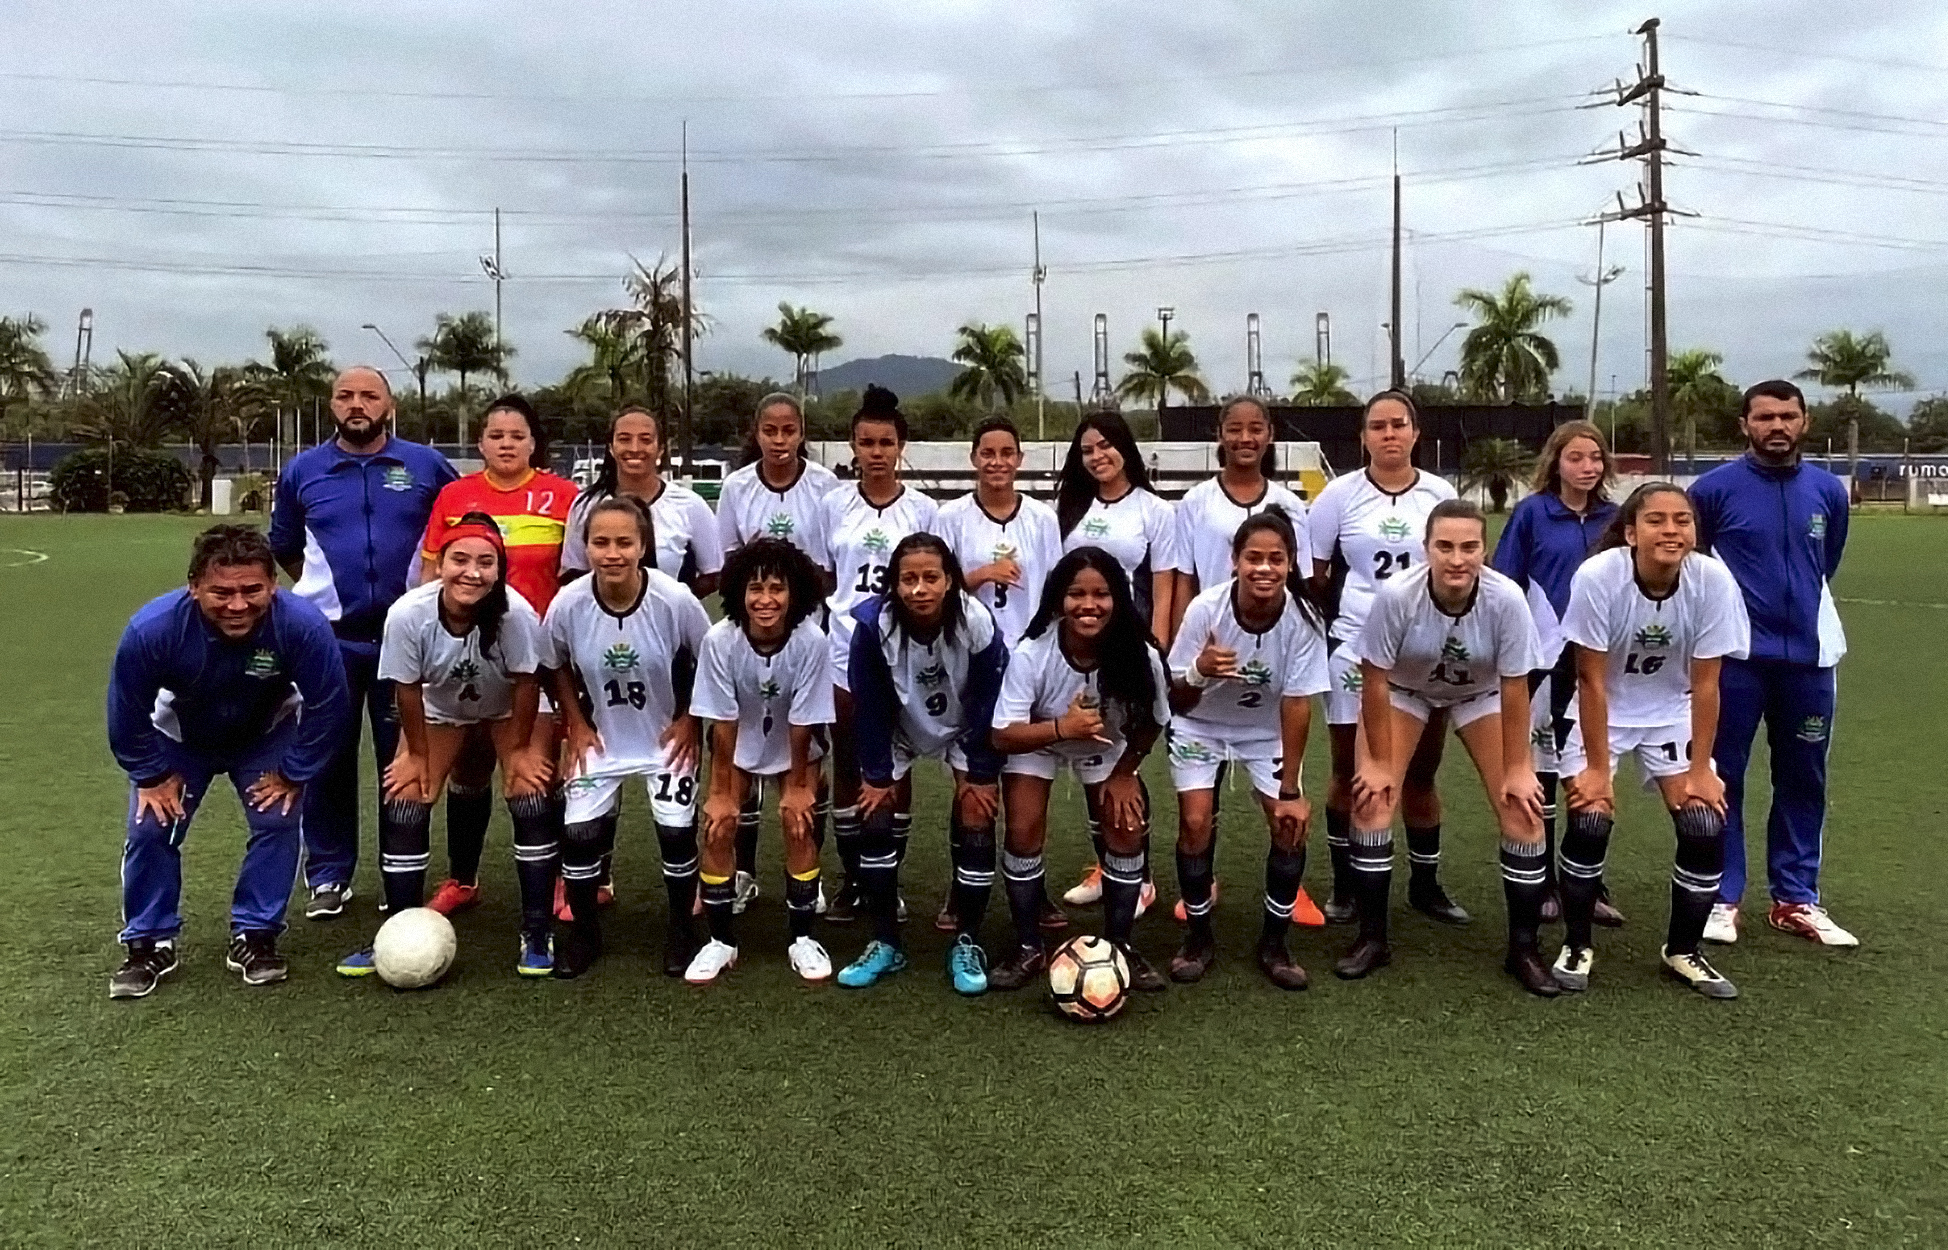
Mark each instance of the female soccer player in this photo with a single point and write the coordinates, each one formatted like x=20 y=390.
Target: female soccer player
x=1652 y=619
x=1244 y=668
x=463 y=654
x=1075 y=694
x=530 y=504
x=1366 y=530
x=688 y=544
x=1549 y=535
x=764 y=683
x=773 y=493
x=925 y=670
x=626 y=639
x=858 y=527
x=1449 y=635
x=1104 y=501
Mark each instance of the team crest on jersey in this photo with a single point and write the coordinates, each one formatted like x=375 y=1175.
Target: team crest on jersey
x=1191 y=751
x=1542 y=736
x=1653 y=637
x=1095 y=527
x=933 y=674
x=1353 y=680
x=578 y=786
x=465 y=670
x=1812 y=729
x=876 y=541
x=780 y=525
x=1256 y=673
x=1394 y=529
x=262 y=663
x=620 y=657
x=1817 y=526
x=769 y=688
x=1004 y=550
x=1453 y=650
x=398 y=478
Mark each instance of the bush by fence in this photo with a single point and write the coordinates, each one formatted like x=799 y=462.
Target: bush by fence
x=149 y=481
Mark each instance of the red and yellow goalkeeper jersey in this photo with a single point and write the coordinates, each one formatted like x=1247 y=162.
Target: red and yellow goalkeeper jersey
x=533 y=518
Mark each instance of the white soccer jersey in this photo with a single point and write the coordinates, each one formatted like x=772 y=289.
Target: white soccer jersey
x=928 y=678
x=748 y=508
x=1208 y=519
x=687 y=542
x=1286 y=660
x=1651 y=642
x=765 y=694
x=1378 y=535
x=459 y=685
x=1448 y=659
x=1030 y=536
x=1140 y=530
x=625 y=663
x=1040 y=684
x=858 y=541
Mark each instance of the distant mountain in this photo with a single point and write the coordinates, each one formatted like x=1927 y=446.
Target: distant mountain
x=905 y=376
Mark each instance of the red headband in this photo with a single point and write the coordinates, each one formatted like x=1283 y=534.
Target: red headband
x=474 y=529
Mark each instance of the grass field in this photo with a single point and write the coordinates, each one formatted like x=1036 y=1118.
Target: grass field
x=1435 y=1104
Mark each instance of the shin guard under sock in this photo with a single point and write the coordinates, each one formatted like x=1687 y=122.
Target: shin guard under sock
x=537 y=857
x=1695 y=876
x=1194 y=878
x=1371 y=853
x=1026 y=879
x=1423 y=854
x=801 y=902
x=845 y=832
x=1525 y=881
x=1585 y=847
x=1122 y=885
x=973 y=852
x=719 y=907
x=678 y=847
x=1283 y=872
x=879 y=876
x=468 y=809
x=404 y=833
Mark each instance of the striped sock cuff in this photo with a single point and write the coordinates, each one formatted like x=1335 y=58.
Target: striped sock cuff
x=1372 y=850
x=539 y=853
x=1022 y=867
x=404 y=863
x=582 y=872
x=1123 y=869
x=1524 y=863
x=526 y=805
x=1696 y=882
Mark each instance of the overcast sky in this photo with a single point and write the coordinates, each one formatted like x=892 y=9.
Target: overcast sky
x=220 y=167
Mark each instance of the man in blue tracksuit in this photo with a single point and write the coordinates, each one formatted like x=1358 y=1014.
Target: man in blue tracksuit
x=346 y=525
x=1781 y=525
x=229 y=675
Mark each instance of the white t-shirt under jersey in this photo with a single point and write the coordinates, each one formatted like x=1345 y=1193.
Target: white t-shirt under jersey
x=1446 y=659
x=1139 y=529
x=459 y=685
x=1651 y=642
x=686 y=533
x=1029 y=535
x=858 y=541
x=1287 y=660
x=1208 y=519
x=626 y=664
x=748 y=508
x=765 y=694
x=1378 y=535
x=1040 y=684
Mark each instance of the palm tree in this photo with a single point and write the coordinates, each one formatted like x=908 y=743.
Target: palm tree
x=1162 y=365
x=1842 y=359
x=118 y=408
x=612 y=356
x=1504 y=357
x=26 y=372
x=299 y=370
x=805 y=335
x=653 y=321
x=465 y=345
x=1695 y=382
x=1495 y=465
x=992 y=365
x=207 y=408
x=1321 y=385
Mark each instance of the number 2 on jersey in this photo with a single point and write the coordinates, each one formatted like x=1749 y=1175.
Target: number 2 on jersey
x=1387 y=563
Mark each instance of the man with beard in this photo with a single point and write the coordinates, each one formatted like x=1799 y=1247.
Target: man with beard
x=1780 y=524
x=346 y=524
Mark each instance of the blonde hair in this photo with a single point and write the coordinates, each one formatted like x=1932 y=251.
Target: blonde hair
x=1548 y=465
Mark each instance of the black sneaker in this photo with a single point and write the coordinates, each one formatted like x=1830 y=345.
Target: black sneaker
x=1428 y=898
x=327 y=901
x=254 y=954
x=147 y=964
x=1027 y=963
x=1143 y=978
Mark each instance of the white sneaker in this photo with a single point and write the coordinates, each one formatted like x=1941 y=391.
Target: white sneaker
x=1722 y=925
x=1699 y=975
x=1572 y=967
x=1088 y=891
x=1810 y=921
x=713 y=959
x=746 y=885
x=809 y=960
x=1145 y=898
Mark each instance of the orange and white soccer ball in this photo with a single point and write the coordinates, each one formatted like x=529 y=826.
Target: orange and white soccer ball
x=1089 y=979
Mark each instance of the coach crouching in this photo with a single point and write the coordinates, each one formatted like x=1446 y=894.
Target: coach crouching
x=228 y=675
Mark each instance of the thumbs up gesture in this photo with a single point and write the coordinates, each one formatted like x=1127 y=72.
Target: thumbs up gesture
x=1083 y=721
x=1217 y=662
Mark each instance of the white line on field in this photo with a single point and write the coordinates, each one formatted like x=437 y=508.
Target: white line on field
x=1894 y=603
x=33 y=557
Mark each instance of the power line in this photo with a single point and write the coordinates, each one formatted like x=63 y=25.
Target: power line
x=1803 y=52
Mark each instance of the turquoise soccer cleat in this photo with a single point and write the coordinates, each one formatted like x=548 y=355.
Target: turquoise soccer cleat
x=880 y=960
x=967 y=964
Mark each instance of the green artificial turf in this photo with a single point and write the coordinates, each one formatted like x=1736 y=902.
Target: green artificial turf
x=1434 y=1104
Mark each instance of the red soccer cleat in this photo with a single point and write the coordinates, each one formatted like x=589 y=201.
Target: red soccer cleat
x=452 y=897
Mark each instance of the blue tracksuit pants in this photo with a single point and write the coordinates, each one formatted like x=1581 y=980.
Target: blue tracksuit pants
x=1796 y=703
x=152 y=860
x=331 y=804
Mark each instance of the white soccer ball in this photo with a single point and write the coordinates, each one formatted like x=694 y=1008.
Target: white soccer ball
x=413 y=949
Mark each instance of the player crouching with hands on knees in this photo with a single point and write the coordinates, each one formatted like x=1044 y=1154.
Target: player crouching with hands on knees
x=1085 y=688
x=623 y=643
x=228 y=675
x=1652 y=620
x=764 y=683
x=1454 y=636
x=925 y=668
x=463 y=654
x=1248 y=659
